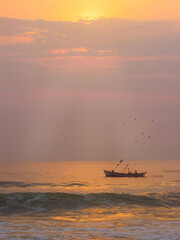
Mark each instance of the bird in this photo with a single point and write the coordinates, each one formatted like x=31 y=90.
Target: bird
x=135 y=119
x=149 y=136
x=142 y=133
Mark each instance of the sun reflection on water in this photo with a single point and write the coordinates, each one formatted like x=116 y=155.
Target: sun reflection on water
x=94 y=215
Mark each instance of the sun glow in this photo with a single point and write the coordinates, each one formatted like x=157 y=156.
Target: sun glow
x=74 y=10
x=88 y=16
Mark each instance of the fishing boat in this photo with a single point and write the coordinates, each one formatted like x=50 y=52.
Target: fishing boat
x=124 y=174
x=121 y=174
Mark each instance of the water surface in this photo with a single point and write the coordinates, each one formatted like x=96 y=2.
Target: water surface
x=74 y=200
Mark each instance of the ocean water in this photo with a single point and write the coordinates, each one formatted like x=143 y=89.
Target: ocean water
x=74 y=200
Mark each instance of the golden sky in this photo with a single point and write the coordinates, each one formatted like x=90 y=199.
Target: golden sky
x=73 y=10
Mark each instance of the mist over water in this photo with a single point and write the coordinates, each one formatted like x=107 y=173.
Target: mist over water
x=66 y=200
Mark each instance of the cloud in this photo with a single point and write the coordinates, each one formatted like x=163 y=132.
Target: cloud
x=128 y=38
x=81 y=81
x=76 y=50
x=35 y=30
x=30 y=33
x=10 y=40
x=64 y=35
x=79 y=63
x=104 y=37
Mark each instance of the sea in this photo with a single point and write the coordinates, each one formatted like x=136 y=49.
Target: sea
x=74 y=200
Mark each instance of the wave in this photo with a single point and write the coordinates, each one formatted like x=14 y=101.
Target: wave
x=7 y=184
x=23 y=202
x=73 y=184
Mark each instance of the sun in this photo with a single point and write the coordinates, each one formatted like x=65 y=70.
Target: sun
x=89 y=16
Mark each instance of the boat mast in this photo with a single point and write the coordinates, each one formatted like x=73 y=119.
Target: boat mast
x=126 y=167
x=118 y=164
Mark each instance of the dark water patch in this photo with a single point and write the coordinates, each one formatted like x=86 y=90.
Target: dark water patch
x=30 y=202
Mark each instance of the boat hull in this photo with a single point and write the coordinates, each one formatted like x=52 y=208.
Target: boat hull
x=117 y=174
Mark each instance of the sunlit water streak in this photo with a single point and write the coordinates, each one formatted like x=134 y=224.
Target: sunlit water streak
x=74 y=200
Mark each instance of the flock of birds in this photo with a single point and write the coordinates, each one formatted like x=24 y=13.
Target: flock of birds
x=142 y=133
x=136 y=141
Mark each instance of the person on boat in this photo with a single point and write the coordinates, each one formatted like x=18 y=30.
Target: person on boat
x=135 y=171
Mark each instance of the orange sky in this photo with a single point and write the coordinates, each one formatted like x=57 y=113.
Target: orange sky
x=72 y=10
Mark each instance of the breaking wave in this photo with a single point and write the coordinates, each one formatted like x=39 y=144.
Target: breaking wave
x=32 y=202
